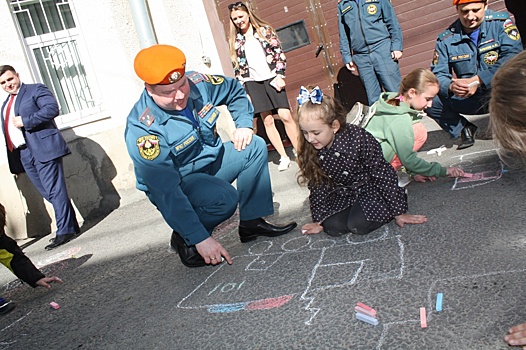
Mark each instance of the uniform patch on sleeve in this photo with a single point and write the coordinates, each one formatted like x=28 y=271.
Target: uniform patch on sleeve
x=215 y=79
x=512 y=32
x=491 y=58
x=435 y=58
x=147 y=118
x=149 y=147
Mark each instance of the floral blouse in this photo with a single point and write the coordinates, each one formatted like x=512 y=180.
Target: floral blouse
x=272 y=48
x=358 y=171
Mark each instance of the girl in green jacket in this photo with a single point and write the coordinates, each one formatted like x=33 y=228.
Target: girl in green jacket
x=397 y=125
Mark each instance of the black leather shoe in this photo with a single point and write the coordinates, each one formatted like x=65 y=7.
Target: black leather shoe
x=188 y=254
x=251 y=229
x=60 y=240
x=468 y=136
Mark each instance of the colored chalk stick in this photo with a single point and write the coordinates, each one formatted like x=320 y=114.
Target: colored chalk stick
x=365 y=307
x=439 y=302
x=54 y=305
x=368 y=319
x=365 y=311
x=423 y=320
x=467 y=175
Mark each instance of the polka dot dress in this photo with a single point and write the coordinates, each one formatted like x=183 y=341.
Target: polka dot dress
x=358 y=171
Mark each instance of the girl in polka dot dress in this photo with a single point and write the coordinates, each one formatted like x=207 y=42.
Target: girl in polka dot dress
x=353 y=189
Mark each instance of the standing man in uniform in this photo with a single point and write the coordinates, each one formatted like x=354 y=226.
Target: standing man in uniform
x=181 y=163
x=466 y=57
x=371 y=44
x=32 y=138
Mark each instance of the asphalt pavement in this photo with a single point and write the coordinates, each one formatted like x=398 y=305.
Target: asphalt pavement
x=125 y=289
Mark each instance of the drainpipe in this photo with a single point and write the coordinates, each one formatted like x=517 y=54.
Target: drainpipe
x=143 y=24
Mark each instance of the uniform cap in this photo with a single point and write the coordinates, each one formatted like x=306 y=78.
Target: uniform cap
x=460 y=2
x=160 y=64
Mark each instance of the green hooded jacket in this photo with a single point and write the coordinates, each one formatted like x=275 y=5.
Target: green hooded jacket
x=392 y=126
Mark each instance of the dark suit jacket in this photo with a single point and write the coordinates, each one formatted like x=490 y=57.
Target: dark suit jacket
x=38 y=108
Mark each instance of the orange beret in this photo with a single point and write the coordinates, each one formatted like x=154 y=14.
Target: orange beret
x=160 y=64
x=460 y=2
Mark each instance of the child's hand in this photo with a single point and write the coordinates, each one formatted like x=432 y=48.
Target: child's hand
x=45 y=282
x=422 y=178
x=403 y=219
x=516 y=335
x=455 y=172
x=311 y=229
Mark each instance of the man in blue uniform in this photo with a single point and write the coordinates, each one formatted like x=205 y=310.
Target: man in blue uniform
x=371 y=44
x=183 y=166
x=466 y=57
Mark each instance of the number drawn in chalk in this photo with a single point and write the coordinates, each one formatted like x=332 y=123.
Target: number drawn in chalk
x=320 y=265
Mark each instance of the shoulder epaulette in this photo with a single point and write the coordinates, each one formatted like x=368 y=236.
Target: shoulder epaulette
x=497 y=16
x=445 y=34
x=196 y=77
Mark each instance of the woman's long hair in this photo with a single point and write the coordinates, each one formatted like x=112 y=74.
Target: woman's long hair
x=255 y=21
x=507 y=109
x=310 y=171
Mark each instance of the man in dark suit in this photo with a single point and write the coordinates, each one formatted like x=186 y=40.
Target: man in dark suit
x=34 y=141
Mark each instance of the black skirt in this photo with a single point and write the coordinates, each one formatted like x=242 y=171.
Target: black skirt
x=264 y=97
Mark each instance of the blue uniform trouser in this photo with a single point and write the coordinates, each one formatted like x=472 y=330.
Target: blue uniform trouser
x=215 y=199
x=446 y=111
x=49 y=180
x=377 y=69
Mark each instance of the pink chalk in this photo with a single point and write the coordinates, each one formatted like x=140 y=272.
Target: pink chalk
x=423 y=320
x=365 y=311
x=467 y=175
x=368 y=310
x=54 y=305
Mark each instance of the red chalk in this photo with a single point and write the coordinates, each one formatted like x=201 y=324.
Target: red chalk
x=365 y=312
x=54 y=305
x=423 y=320
x=368 y=310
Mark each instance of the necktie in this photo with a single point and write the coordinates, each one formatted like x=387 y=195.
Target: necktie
x=6 y=123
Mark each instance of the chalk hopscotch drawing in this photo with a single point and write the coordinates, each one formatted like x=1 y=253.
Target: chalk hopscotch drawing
x=483 y=173
x=319 y=264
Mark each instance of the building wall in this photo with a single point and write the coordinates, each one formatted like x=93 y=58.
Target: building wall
x=99 y=171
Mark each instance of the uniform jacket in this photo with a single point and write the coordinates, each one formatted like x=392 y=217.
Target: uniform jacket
x=38 y=108
x=365 y=25
x=12 y=257
x=165 y=146
x=392 y=127
x=456 y=53
x=358 y=171
x=271 y=48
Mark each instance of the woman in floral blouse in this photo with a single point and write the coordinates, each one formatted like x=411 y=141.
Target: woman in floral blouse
x=353 y=189
x=259 y=64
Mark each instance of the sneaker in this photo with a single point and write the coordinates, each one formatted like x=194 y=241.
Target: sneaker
x=284 y=163
x=403 y=178
x=6 y=306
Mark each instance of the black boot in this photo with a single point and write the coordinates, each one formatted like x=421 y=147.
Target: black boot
x=188 y=254
x=249 y=230
x=467 y=136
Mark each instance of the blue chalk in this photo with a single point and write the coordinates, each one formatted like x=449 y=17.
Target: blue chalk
x=439 y=302
x=227 y=307
x=368 y=319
